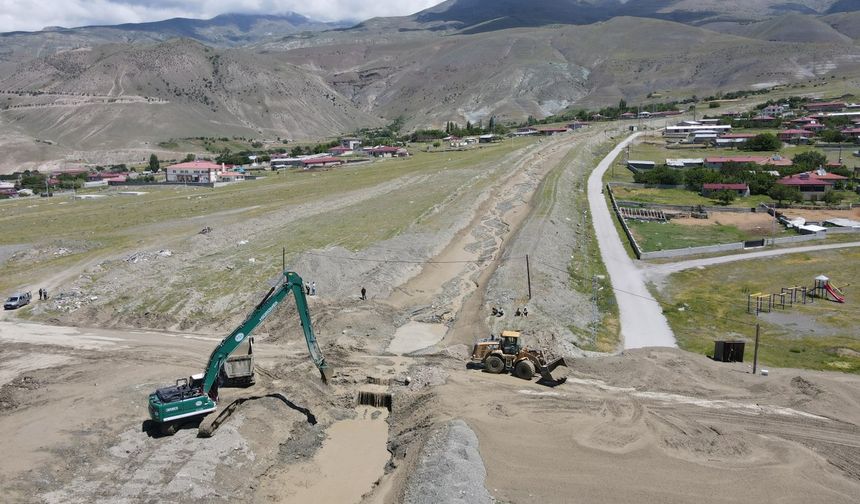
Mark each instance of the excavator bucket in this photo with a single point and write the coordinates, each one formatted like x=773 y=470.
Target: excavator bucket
x=326 y=373
x=546 y=372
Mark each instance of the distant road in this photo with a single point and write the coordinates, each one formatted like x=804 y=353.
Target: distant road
x=656 y=272
x=642 y=320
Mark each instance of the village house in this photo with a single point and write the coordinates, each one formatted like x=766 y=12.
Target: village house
x=796 y=136
x=742 y=190
x=319 y=162
x=636 y=165
x=852 y=133
x=231 y=176
x=7 y=190
x=733 y=139
x=551 y=131
x=387 y=152
x=350 y=143
x=825 y=106
x=685 y=163
x=775 y=110
x=813 y=183
x=627 y=115
x=489 y=138
x=340 y=150
x=682 y=130
x=717 y=162
x=577 y=125
x=194 y=172
x=526 y=131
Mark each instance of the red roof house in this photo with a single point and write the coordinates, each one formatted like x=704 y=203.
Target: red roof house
x=742 y=190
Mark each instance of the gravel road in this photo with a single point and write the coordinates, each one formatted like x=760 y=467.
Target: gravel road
x=658 y=272
x=642 y=320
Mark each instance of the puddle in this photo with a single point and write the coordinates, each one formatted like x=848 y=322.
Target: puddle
x=350 y=462
x=416 y=336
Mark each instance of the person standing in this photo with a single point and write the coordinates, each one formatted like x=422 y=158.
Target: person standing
x=40 y=293
x=313 y=288
x=45 y=293
x=363 y=294
x=307 y=289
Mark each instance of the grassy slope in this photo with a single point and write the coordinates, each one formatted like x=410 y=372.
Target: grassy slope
x=822 y=335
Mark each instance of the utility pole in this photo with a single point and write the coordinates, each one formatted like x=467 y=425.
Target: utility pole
x=755 y=352
x=529 y=276
x=594 y=311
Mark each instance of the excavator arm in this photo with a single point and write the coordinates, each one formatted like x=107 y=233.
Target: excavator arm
x=292 y=282
x=197 y=396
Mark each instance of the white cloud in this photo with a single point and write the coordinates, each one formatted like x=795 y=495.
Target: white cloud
x=28 y=15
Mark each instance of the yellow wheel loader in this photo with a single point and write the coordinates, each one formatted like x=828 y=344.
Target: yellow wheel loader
x=498 y=355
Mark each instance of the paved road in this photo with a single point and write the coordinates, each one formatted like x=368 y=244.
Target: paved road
x=642 y=320
x=658 y=272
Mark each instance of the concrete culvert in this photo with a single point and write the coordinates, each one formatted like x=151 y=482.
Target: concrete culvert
x=375 y=399
x=378 y=381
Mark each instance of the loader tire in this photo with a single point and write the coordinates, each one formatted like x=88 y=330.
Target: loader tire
x=494 y=364
x=525 y=369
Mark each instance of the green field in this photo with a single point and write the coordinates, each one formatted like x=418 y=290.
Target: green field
x=652 y=236
x=92 y=230
x=680 y=197
x=711 y=303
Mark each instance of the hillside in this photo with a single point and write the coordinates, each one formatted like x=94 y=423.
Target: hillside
x=226 y=30
x=538 y=71
x=79 y=93
x=787 y=28
x=480 y=15
x=117 y=96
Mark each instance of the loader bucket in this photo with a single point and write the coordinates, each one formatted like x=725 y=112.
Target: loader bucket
x=546 y=373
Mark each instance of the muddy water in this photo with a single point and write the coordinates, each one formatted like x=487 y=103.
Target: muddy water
x=416 y=336
x=351 y=460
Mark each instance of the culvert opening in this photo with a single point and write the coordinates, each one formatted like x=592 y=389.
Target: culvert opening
x=375 y=399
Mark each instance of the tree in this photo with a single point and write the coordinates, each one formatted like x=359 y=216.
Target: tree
x=622 y=105
x=154 y=165
x=781 y=193
x=809 y=160
x=832 y=136
x=762 y=142
x=189 y=157
x=724 y=196
x=832 y=197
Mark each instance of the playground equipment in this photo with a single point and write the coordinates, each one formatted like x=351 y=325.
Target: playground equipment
x=824 y=289
x=759 y=302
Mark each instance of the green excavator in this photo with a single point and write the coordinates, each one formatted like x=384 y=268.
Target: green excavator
x=195 y=397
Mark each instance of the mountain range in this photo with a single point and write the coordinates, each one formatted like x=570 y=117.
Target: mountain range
x=65 y=92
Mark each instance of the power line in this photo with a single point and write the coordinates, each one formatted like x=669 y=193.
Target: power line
x=402 y=261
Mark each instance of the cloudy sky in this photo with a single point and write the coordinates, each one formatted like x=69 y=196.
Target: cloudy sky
x=36 y=14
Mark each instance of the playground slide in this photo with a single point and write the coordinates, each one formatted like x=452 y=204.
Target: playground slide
x=830 y=290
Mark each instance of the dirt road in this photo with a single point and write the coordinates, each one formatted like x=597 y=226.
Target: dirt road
x=642 y=320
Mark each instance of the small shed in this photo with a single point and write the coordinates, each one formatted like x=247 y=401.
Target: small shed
x=729 y=351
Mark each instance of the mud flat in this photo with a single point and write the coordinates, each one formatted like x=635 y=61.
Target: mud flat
x=415 y=336
x=352 y=459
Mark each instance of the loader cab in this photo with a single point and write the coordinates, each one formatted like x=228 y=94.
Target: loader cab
x=510 y=343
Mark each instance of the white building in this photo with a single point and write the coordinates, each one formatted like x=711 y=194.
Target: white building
x=195 y=172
